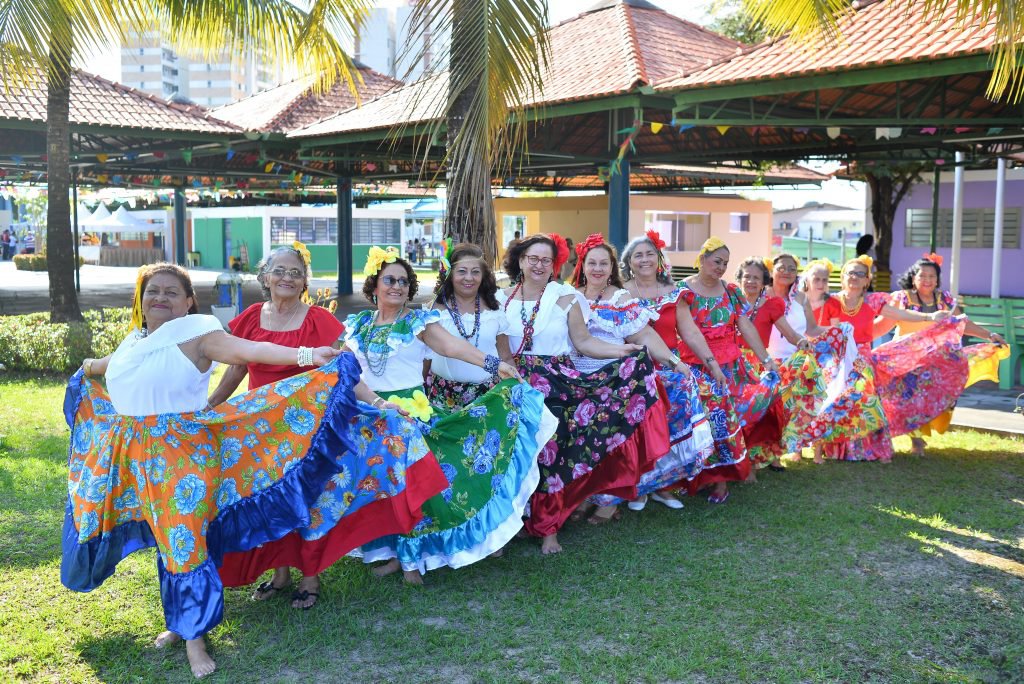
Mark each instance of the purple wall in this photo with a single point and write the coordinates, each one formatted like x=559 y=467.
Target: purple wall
x=976 y=270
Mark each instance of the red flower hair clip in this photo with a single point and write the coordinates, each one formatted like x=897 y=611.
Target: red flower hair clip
x=561 y=252
x=655 y=238
x=593 y=240
x=934 y=258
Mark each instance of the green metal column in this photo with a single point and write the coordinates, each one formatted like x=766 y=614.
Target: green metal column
x=344 y=235
x=179 y=226
x=618 y=207
x=935 y=212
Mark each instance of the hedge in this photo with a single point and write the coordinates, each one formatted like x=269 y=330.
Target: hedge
x=35 y=262
x=31 y=343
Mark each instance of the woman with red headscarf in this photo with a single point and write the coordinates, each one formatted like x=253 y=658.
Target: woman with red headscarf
x=604 y=443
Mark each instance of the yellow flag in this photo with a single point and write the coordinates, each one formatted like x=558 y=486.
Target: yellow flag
x=102 y=158
x=656 y=127
x=722 y=129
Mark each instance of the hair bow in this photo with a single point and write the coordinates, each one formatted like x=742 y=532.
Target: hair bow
x=655 y=239
x=934 y=258
x=376 y=259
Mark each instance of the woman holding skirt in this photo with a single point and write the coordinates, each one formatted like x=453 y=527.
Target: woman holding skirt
x=612 y=425
x=616 y=316
x=154 y=466
x=487 y=450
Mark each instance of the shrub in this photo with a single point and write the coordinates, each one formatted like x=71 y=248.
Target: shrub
x=35 y=262
x=30 y=342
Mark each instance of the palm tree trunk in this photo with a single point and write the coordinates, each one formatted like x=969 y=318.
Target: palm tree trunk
x=60 y=249
x=470 y=209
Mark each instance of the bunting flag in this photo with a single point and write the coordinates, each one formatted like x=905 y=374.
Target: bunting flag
x=625 y=146
x=929 y=130
x=268 y=167
x=102 y=178
x=186 y=156
x=656 y=127
x=102 y=157
x=833 y=132
x=370 y=166
x=230 y=154
x=961 y=129
x=722 y=130
x=159 y=155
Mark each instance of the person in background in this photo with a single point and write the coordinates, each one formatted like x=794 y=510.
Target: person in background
x=565 y=275
x=4 y=248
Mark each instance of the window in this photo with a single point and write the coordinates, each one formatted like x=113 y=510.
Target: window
x=682 y=231
x=978 y=228
x=142 y=68
x=509 y=225
x=376 y=231
x=739 y=222
x=142 y=51
x=209 y=84
x=309 y=230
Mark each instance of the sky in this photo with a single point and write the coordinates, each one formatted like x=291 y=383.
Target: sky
x=845 y=193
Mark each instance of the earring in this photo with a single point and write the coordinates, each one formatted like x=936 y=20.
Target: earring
x=375 y=300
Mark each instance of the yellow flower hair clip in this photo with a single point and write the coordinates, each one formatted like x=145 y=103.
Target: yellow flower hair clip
x=303 y=252
x=376 y=259
x=417 y=406
x=862 y=259
x=712 y=244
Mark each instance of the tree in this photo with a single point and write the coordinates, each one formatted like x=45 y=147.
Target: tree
x=38 y=39
x=810 y=18
x=729 y=19
x=888 y=186
x=497 y=58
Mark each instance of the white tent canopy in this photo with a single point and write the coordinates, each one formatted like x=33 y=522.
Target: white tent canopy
x=87 y=221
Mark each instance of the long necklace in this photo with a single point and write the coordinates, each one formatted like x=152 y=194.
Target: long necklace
x=453 y=311
x=377 y=362
x=287 y=324
x=527 y=343
x=597 y=299
x=933 y=305
x=757 y=305
x=848 y=312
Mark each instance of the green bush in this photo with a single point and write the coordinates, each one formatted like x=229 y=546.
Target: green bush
x=31 y=343
x=35 y=262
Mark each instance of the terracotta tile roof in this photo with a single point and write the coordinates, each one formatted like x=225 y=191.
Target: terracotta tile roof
x=296 y=104
x=612 y=48
x=874 y=34
x=95 y=101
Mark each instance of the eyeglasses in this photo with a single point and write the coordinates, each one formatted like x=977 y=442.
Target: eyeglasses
x=292 y=273
x=391 y=281
x=857 y=274
x=533 y=260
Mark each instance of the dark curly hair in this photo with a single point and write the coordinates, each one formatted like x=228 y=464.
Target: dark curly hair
x=370 y=284
x=515 y=252
x=906 y=281
x=754 y=261
x=615 y=279
x=178 y=272
x=444 y=289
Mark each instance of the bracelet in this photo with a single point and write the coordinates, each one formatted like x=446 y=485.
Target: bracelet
x=304 y=357
x=378 y=402
x=491 y=364
x=675 y=360
x=87 y=365
x=708 y=360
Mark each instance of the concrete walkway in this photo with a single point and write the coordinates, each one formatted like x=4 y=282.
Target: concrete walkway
x=982 y=407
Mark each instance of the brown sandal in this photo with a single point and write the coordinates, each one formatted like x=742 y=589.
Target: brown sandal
x=596 y=519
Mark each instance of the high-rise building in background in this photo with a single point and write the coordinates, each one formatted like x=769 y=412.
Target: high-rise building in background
x=384 y=43
x=151 y=65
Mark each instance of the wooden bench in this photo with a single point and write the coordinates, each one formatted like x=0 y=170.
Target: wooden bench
x=1006 y=317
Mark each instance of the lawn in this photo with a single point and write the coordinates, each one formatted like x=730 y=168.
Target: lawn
x=847 y=572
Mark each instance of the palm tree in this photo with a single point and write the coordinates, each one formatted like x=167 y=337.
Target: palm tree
x=808 y=18
x=496 y=62
x=38 y=38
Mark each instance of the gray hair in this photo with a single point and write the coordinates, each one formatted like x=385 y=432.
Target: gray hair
x=664 y=274
x=265 y=264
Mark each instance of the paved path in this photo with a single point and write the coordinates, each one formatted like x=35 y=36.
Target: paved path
x=983 y=407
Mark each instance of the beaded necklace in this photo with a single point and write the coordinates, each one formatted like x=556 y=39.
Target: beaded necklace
x=757 y=305
x=377 y=362
x=453 y=311
x=848 y=312
x=527 y=343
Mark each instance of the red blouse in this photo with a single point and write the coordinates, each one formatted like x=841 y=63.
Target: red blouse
x=319 y=329
x=772 y=309
x=863 y=321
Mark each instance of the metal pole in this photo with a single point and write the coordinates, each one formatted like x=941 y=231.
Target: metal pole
x=74 y=209
x=933 y=242
x=179 y=225
x=344 y=235
x=997 y=237
x=958 y=225
x=618 y=207
x=842 y=253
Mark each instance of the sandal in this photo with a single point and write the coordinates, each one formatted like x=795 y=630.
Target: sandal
x=302 y=596
x=581 y=511
x=716 y=499
x=267 y=590
x=776 y=468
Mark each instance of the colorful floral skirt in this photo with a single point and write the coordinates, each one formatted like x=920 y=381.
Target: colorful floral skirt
x=451 y=395
x=690 y=439
x=200 y=485
x=983 y=364
x=745 y=401
x=488 y=452
x=612 y=429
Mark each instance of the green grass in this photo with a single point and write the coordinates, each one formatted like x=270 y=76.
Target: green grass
x=847 y=572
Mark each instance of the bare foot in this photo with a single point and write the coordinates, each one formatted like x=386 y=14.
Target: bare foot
x=166 y=639
x=550 y=545
x=413 y=577
x=604 y=515
x=917 y=446
x=498 y=554
x=389 y=568
x=752 y=477
x=307 y=593
x=198 y=659
x=819 y=454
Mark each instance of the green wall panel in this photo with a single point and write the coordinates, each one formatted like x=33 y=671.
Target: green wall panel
x=249 y=231
x=209 y=242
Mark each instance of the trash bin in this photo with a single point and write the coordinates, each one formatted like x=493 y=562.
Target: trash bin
x=229 y=297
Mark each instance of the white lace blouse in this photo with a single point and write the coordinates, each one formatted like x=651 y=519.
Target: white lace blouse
x=551 y=327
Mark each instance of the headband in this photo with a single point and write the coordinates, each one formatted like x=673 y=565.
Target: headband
x=712 y=244
x=376 y=259
x=593 y=240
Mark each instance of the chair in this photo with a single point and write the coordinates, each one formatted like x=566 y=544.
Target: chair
x=193 y=259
